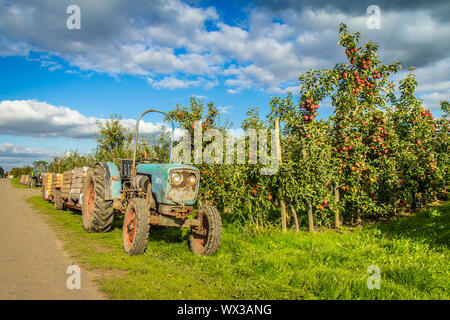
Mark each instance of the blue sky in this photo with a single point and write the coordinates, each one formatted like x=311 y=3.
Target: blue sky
x=131 y=55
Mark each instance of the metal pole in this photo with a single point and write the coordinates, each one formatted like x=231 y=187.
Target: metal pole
x=133 y=171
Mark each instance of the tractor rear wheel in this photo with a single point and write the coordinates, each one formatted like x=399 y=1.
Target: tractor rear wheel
x=97 y=213
x=59 y=204
x=136 y=227
x=205 y=240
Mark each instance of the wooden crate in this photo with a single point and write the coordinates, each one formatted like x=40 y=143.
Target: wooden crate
x=76 y=188
x=55 y=184
x=44 y=181
x=57 y=181
x=48 y=184
x=66 y=184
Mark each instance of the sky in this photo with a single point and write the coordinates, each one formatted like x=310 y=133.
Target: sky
x=130 y=55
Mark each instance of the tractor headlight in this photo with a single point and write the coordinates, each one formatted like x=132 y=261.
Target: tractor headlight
x=192 y=179
x=176 y=177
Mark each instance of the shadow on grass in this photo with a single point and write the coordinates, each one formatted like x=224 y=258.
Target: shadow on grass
x=430 y=225
x=167 y=234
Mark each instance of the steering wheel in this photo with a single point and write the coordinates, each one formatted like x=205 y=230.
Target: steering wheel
x=151 y=160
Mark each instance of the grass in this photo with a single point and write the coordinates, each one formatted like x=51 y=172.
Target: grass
x=15 y=182
x=412 y=254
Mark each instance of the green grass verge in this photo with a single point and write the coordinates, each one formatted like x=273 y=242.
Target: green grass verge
x=411 y=253
x=15 y=183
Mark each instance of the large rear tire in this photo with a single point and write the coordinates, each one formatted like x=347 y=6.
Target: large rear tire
x=206 y=244
x=97 y=213
x=136 y=227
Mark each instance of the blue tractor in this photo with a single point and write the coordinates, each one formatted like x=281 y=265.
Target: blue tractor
x=149 y=193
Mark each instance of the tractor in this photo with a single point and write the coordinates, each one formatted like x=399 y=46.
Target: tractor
x=37 y=174
x=150 y=194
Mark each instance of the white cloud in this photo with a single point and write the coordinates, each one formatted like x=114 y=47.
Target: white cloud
x=233 y=91
x=9 y=150
x=173 y=83
x=224 y=109
x=12 y=155
x=39 y=119
x=169 y=40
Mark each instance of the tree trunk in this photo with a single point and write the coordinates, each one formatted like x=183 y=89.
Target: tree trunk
x=338 y=218
x=310 y=218
x=413 y=200
x=358 y=216
x=283 y=216
x=294 y=214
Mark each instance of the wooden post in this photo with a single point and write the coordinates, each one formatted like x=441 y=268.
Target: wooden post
x=338 y=218
x=282 y=204
x=283 y=216
x=294 y=214
x=310 y=217
x=413 y=200
x=358 y=216
x=277 y=130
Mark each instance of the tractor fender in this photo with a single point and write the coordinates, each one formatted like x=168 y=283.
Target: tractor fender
x=113 y=184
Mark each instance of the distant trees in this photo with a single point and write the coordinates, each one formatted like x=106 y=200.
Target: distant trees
x=115 y=142
x=17 y=172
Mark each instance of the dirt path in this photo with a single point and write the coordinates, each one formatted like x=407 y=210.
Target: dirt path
x=33 y=264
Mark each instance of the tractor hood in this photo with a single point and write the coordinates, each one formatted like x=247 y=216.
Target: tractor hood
x=166 y=190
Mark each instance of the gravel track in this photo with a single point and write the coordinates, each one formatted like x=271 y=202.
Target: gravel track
x=33 y=263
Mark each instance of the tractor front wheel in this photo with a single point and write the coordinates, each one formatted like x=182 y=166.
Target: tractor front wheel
x=205 y=240
x=97 y=213
x=136 y=227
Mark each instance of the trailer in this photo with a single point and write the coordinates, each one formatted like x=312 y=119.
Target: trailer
x=70 y=195
x=52 y=185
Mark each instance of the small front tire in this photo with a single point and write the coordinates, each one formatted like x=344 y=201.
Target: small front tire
x=136 y=227
x=211 y=226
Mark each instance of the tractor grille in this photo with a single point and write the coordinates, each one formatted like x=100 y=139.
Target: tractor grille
x=183 y=191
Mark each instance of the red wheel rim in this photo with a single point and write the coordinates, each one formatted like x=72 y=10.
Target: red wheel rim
x=91 y=200
x=130 y=226
x=201 y=240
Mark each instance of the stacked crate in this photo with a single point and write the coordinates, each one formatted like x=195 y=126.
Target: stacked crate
x=48 y=185
x=77 y=183
x=67 y=183
x=44 y=184
x=56 y=183
x=22 y=177
x=44 y=181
